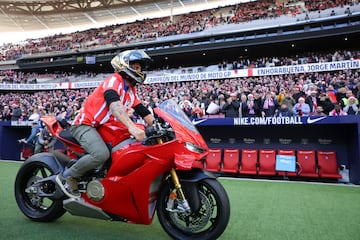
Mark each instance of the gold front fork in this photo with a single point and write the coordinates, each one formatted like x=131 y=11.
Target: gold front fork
x=177 y=184
x=175 y=179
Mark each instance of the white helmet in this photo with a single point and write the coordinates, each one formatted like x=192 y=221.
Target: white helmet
x=122 y=63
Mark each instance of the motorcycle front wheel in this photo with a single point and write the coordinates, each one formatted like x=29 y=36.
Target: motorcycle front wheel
x=207 y=222
x=37 y=208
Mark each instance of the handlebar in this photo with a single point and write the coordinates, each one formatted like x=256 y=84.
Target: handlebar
x=158 y=130
x=149 y=131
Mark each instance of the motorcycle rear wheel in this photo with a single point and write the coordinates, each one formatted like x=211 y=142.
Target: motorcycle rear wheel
x=209 y=222
x=37 y=208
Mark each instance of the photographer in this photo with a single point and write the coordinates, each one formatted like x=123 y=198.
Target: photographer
x=45 y=142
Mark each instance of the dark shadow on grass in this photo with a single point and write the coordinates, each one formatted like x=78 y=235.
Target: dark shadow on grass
x=73 y=227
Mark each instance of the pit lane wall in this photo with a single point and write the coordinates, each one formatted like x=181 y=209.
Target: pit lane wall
x=341 y=134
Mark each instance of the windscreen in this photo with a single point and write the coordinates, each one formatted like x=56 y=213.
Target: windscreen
x=171 y=108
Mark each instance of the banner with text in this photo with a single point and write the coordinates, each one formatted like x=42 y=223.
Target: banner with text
x=239 y=73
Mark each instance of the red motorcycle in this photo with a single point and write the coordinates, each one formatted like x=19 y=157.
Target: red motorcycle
x=139 y=179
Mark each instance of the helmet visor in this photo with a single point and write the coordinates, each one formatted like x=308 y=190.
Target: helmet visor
x=140 y=57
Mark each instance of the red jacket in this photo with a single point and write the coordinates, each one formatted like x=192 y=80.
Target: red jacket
x=95 y=110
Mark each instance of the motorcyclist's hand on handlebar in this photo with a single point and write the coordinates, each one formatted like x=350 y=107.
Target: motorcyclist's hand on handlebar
x=138 y=133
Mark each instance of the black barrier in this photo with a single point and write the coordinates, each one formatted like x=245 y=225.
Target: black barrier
x=10 y=133
x=10 y=148
x=341 y=134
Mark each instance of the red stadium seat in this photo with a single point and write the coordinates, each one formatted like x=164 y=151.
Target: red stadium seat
x=213 y=160
x=327 y=163
x=307 y=163
x=267 y=159
x=286 y=153
x=230 y=160
x=249 y=161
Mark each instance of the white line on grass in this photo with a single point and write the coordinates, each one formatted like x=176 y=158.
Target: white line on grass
x=287 y=181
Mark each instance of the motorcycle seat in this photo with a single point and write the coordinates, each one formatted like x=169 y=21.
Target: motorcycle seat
x=67 y=135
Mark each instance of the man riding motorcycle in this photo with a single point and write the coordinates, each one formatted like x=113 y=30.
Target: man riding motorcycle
x=110 y=101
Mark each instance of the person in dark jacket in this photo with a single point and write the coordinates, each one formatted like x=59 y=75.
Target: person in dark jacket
x=15 y=112
x=45 y=142
x=284 y=111
x=312 y=100
x=252 y=107
x=5 y=114
x=187 y=108
x=297 y=93
x=231 y=107
x=269 y=105
x=242 y=107
x=325 y=102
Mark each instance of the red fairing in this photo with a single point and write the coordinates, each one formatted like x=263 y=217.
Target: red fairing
x=137 y=169
x=115 y=132
x=53 y=126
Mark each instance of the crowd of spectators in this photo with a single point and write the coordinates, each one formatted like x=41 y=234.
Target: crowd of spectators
x=19 y=77
x=151 y=29
x=309 y=94
x=11 y=76
x=306 y=94
x=61 y=103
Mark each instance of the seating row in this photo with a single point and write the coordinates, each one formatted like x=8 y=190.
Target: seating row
x=265 y=162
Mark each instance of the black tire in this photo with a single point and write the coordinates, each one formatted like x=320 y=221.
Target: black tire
x=209 y=222
x=39 y=209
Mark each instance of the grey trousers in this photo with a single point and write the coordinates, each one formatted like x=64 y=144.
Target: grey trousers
x=91 y=141
x=40 y=148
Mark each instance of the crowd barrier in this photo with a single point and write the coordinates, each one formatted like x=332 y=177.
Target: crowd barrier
x=326 y=133
x=289 y=134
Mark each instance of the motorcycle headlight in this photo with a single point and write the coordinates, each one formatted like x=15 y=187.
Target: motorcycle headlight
x=194 y=148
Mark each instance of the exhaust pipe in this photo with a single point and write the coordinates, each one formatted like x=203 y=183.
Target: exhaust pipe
x=81 y=208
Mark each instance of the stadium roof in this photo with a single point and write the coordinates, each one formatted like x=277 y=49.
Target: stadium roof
x=54 y=15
